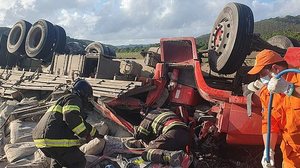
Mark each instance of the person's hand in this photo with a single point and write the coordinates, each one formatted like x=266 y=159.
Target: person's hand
x=264 y=162
x=280 y=86
x=255 y=86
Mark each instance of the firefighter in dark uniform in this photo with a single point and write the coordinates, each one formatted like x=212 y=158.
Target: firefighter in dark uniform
x=166 y=135
x=60 y=131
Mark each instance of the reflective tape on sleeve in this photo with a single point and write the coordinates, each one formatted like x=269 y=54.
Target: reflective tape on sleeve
x=93 y=131
x=43 y=143
x=143 y=130
x=55 y=108
x=78 y=129
x=70 y=108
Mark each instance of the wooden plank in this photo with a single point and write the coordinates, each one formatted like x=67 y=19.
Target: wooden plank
x=92 y=80
x=113 y=86
x=105 y=94
x=35 y=88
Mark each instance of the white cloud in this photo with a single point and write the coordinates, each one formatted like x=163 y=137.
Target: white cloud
x=132 y=21
x=28 y=4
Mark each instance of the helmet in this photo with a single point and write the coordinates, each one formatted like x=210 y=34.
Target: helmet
x=83 y=89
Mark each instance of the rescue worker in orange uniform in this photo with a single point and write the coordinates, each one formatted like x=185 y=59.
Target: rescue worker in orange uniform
x=59 y=131
x=166 y=135
x=284 y=113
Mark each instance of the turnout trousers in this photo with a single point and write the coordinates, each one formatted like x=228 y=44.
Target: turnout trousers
x=70 y=157
x=173 y=140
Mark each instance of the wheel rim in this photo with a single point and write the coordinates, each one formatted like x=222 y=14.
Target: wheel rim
x=220 y=36
x=16 y=34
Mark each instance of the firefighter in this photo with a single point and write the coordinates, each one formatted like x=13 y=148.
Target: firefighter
x=285 y=111
x=61 y=130
x=166 y=135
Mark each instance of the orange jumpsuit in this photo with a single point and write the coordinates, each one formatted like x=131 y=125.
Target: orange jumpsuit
x=285 y=120
x=290 y=145
x=277 y=121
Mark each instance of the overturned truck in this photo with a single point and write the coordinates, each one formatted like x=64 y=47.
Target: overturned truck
x=204 y=87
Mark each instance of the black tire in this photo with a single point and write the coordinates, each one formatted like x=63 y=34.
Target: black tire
x=110 y=52
x=17 y=37
x=40 y=40
x=97 y=47
x=94 y=47
x=295 y=42
x=61 y=39
x=280 y=41
x=74 y=48
x=230 y=38
x=6 y=59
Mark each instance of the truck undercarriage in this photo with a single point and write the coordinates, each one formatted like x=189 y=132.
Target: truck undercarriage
x=205 y=88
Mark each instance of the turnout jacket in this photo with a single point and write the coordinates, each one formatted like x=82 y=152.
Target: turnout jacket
x=63 y=124
x=157 y=122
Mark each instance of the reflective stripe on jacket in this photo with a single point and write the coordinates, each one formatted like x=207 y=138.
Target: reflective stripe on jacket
x=157 y=123
x=43 y=143
x=63 y=124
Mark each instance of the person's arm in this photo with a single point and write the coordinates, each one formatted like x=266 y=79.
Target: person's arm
x=275 y=129
x=72 y=116
x=273 y=140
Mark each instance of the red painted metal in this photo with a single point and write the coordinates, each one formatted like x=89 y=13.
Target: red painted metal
x=244 y=139
x=208 y=93
x=178 y=50
x=160 y=82
x=107 y=112
x=183 y=50
x=205 y=129
x=159 y=71
x=129 y=103
x=292 y=56
x=185 y=95
x=242 y=126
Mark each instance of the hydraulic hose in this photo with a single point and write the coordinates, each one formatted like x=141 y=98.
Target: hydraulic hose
x=278 y=76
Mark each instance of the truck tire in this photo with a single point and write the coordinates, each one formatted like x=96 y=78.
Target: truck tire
x=6 y=59
x=111 y=52
x=94 y=47
x=97 y=47
x=61 y=39
x=230 y=38
x=40 y=40
x=280 y=41
x=17 y=37
x=295 y=42
x=74 y=48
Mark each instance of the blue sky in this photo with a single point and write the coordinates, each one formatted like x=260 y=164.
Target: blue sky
x=120 y=22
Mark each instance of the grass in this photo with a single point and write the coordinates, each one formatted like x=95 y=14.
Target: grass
x=135 y=55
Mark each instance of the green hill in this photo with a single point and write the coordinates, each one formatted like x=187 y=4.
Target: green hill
x=288 y=26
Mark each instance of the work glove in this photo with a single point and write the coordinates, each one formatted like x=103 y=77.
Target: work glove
x=264 y=162
x=280 y=86
x=255 y=86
